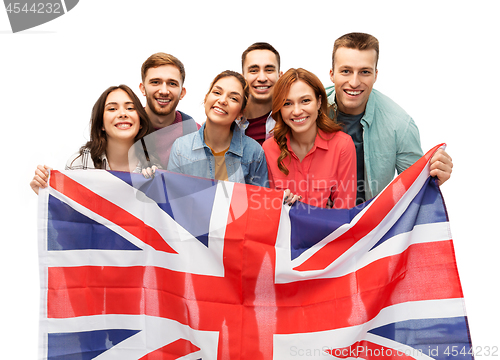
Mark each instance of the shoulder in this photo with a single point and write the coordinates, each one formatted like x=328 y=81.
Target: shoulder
x=80 y=160
x=384 y=107
x=185 y=140
x=251 y=145
x=270 y=145
x=188 y=119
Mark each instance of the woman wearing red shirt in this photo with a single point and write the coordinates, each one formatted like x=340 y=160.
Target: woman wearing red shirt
x=309 y=156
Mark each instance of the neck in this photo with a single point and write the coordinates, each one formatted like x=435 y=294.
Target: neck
x=119 y=159
x=256 y=109
x=160 y=121
x=218 y=137
x=302 y=143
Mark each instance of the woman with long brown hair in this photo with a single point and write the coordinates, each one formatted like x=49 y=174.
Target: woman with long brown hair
x=118 y=121
x=309 y=156
x=219 y=149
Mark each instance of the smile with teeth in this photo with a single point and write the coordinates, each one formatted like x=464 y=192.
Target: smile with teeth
x=353 y=92
x=163 y=101
x=218 y=110
x=123 y=125
x=299 y=120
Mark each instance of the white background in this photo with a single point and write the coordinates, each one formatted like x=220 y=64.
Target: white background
x=438 y=60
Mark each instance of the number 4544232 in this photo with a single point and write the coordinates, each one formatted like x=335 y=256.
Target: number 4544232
x=476 y=351
x=36 y=8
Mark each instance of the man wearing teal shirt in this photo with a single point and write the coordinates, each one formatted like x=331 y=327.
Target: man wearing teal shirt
x=385 y=136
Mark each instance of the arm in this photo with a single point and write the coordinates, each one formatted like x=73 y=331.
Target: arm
x=259 y=173
x=173 y=161
x=409 y=149
x=41 y=178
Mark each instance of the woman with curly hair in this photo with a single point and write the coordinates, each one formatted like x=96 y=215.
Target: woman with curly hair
x=309 y=156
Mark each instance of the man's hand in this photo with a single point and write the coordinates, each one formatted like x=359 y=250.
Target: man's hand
x=441 y=166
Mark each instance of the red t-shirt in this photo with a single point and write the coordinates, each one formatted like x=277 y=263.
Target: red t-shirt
x=257 y=128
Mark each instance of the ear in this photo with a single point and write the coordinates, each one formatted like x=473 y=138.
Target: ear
x=319 y=102
x=376 y=73
x=183 y=93
x=331 y=75
x=142 y=88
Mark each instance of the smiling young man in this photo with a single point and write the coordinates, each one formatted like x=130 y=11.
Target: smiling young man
x=163 y=77
x=261 y=69
x=385 y=136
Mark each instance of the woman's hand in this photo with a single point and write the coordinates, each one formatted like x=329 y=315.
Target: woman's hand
x=290 y=198
x=149 y=172
x=41 y=177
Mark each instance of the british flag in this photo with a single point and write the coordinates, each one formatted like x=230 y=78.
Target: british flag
x=179 y=267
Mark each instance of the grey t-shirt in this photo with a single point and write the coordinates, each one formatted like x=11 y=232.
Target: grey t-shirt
x=352 y=126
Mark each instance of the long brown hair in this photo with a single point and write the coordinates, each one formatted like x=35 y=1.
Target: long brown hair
x=98 y=139
x=281 y=90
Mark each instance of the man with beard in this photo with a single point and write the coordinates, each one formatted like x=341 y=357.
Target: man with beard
x=162 y=83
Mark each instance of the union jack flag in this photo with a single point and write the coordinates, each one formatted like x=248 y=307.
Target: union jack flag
x=179 y=267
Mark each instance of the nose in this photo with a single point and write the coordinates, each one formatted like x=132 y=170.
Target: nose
x=262 y=76
x=354 y=80
x=122 y=113
x=164 y=89
x=297 y=110
x=222 y=100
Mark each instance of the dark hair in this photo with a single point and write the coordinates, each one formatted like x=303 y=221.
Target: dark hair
x=240 y=78
x=281 y=90
x=260 y=46
x=160 y=59
x=358 y=41
x=98 y=138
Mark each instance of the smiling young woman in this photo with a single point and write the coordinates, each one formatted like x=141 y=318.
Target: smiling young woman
x=118 y=121
x=309 y=157
x=220 y=150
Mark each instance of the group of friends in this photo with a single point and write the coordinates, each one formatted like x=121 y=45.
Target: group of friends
x=332 y=147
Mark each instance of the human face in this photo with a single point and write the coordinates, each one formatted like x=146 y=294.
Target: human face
x=300 y=110
x=354 y=74
x=223 y=102
x=261 y=71
x=120 y=119
x=163 y=89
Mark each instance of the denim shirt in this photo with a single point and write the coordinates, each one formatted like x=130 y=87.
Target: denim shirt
x=245 y=160
x=391 y=140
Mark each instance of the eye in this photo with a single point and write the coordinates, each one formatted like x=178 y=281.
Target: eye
x=173 y=84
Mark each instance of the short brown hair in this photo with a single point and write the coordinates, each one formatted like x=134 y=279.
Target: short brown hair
x=358 y=41
x=160 y=59
x=260 y=46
